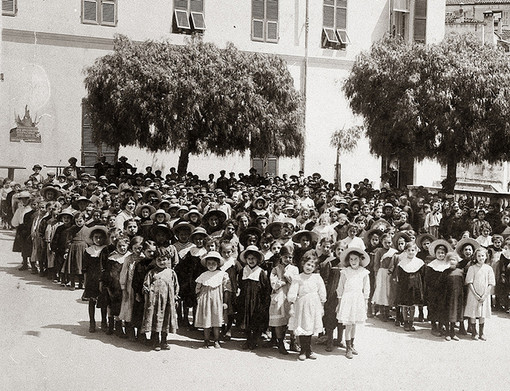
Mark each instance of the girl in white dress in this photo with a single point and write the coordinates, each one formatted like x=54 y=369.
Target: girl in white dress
x=353 y=292
x=480 y=280
x=307 y=294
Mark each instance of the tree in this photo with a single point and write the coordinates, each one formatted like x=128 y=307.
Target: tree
x=194 y=98
x=447 y=101
x=344 y=140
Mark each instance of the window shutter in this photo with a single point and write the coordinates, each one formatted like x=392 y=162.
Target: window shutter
x=90 y=11
x=198 y=20
x=329 y=14
x=257 y=9
x=8 y=7
x=272 y=20
x=181 y=5
x=420 y=20
x=272 y=10
x=197 y=5
x=341 y=18
x=108 y=13
x=257 y=25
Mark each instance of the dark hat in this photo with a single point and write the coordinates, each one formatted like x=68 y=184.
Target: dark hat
x=37 y=166
x=183 y=226
x=273 y=228
x=47 y=189
x=243 y=237
x=218 y=213
x=150 y=195
x=296 y=238
x=398 y=235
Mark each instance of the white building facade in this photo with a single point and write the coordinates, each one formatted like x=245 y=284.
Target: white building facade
x=46 y=45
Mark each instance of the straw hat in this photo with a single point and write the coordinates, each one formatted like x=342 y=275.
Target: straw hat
x=273 y=227
x=198 y=231
x=23 y=194
x=160 y=211
x=399 y=235
x=252 y=250
x=463 y=243
x=345 y=254
x=150 y=195
x=183 y=225
x=421 y=238
x=439 y=242
x=139 y=208
x=381 y=225
x=222 y=217
x=67 y=211
x=371 y=232
x=97 y=228
x=212 y=255
x=296 y=238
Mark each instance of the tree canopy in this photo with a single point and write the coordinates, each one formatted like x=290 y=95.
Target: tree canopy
x=447 y=101
x=194 y=98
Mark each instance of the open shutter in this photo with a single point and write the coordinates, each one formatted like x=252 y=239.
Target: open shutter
x=420 y=20
x=272 y=20
x=257 y=14
x=108 y=13
x=197 y=14
x=9 y=7
x=89 y=12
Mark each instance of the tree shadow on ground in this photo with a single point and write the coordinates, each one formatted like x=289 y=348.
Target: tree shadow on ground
x=31 y=279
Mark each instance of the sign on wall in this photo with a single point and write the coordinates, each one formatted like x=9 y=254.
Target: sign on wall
x=26 y=129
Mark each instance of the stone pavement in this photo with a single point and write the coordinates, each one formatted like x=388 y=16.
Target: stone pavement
x=45 y=345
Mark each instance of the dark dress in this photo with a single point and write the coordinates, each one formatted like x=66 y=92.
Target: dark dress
x=142 y=267
x=187 y=270
x=111 y=281
x=23 y=239
x=410 y=286
x=330 y=273
x=434 y=291
x=232 y=272
x=253 y=301
x=503 y=281
x=453 y=303
x=93 y=262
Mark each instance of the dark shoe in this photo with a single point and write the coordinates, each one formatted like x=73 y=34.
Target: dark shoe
x=111 y=326
x=397 y=323
x=339 y=344
x=294 y=347
x=354 y=351
x=281 y=347
x=23 y=267
x=227 y=336
x=92 y=327
x=246 y=345
x=217 y=345
x=348 y=352
x=165 y=346
x=311 y=356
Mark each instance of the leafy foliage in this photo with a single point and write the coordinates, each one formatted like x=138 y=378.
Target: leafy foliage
x=346 y=139
x=448 y=101
x=194 y=98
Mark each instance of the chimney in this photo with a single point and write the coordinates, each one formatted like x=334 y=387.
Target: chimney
x=488 y=28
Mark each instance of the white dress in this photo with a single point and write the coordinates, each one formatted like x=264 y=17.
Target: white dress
x=481 y=277
x=353 y=290
x=280 y=307
x=307 y=292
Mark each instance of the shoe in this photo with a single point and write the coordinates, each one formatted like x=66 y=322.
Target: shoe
x=227 y=336
x=420 y=319
x=482 y=337
x=157 y=348
x=312 y=356
x=354 y=351
x=217 y=345
x=246 y=345
x=455 y=338
x=475 y=337
x=397 y=323
x=329 y=346
x=302 y=357
x=92 y=327
x=448 y=338
x=339 y=344
x=322 y=340
x=104 y=326
x=23 y=267
x=348 y=352
x=34 y=271
x=294 y=347
x=412 y=328
x=165 y=346
x=206 y=344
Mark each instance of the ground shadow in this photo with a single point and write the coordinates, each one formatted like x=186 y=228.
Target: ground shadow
x=31 y=279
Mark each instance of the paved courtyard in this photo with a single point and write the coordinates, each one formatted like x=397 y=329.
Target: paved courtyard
x=45 y=345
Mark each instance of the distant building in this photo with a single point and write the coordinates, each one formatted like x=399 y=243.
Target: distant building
x=46 y=45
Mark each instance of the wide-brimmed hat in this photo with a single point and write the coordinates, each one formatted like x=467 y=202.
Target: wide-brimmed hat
x=193 y=211
x=212 y=255
x=67 y=211
x=463 y=243
x=439 y=242
x=96 y=228
x=150 y=195
x=139 y=208
x=251 y=250
x=421 y=238
x=80 y=199
x=398 y=235
x=183 y=225
x=162 y=227
x=381 y=225
x=36 y=167
x=160 y=211
x=48 y=189
x=260 y=199
x=289 y=206
x=273 y=227
x=296 y=238
x=23 y=194
x=198 y=231
x=371 y=232
x=243 y=237
x=222 y=217
x=345 y=254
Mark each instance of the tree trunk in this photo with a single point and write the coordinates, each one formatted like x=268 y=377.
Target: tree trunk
x=182 y=167
x=451 y=175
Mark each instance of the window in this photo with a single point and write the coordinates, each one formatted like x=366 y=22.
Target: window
x=9 y=7
x=334 y=24
x=420 y=20
x=268 y=165
x=102 y=12
x=188 y=16
x=264 y=20
x=400 y=12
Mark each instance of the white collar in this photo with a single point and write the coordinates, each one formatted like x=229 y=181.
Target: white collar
x=439 y=266
x=229 y=263
x=94 y=251
x=252 y=274
x=211 y=279
x=411 y=266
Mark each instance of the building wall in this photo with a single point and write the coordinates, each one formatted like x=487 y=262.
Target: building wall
x=45 y=49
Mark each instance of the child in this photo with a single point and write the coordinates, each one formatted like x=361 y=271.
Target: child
x=304 y=241
x=433 y=219
x=485 y=238
x=142 y=267
x=94 y=259
x=253 y=297
x=76 y=236
x=453 y=305
x=353 y=292
x=160 y=289
x=480 y=280
x=213 y=288
x=503 y=278
x=409 y=278
x=330 y=271
x=307 y=294
x=382 y=262
x=281 y=277
x=465 y=249
x=434 y=289
x=59 y=243
x=126 y=281
x=111 y=281
x=232 y=267
x=352 y=240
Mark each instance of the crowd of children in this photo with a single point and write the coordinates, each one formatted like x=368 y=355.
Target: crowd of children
x=281 y=258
